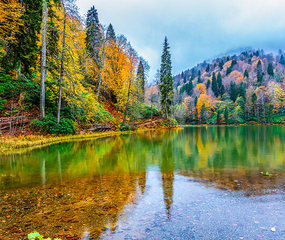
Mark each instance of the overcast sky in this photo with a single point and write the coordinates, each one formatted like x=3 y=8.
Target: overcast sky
x=196 y=29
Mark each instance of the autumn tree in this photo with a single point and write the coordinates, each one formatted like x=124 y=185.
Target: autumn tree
x=132 y=63
x=203 y=115
x=166 y=80
x=70 y=11
x=23 y=51
x=10 y=23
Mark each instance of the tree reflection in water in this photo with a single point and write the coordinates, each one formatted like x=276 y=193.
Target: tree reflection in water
x=77 y=188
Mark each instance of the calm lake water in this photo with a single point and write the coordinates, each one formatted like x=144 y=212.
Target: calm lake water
x=194 y=183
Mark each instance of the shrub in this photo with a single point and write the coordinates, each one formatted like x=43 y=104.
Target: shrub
x=12 y=88
x=145 y=111
x=126 y=128
x=168 y=123
x=3 y=103
x=49 y=125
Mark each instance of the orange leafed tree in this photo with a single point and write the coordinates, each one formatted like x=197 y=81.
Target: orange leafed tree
x=202 y=88
x=207 y=100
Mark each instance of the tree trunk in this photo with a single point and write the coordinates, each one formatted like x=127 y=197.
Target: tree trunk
x=101 y=71
x=127 y=104
x=61 y=68
x=43 y=60
x=151 y=117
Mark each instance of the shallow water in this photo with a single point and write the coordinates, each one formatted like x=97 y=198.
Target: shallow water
x=194 y=183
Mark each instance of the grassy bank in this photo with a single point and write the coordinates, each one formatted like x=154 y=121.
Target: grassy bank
x=10 y=144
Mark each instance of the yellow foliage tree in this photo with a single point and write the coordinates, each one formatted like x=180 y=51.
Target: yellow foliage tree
x=206 y=100
x=10 y=20
x=202 y=88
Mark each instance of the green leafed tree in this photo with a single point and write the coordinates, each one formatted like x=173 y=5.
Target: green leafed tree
x=141 y=81
x=166 y=80
x=189 y=87
x=94 y=35
x=199 y=77
x=234 y=91
x=219 y=83
x=282 y=60
x=245 y=74
x=259 y=73
x=203 y=114
x=270 y=69
x=226 y=115
x=110 y=35
x=214 y=85
x=208 y=83
x=218 y=120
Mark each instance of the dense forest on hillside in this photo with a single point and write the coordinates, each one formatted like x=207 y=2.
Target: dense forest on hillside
x=60 y=74
x=248 y=87
x=67 y=71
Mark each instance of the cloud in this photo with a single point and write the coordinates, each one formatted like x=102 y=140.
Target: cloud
x=196 y=29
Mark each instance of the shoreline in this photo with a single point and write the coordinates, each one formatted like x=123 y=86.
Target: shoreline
x=20 y=144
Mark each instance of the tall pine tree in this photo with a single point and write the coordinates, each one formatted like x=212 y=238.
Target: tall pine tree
x=166 y=80
x=95 y=42
x=110 y=35
x=214 y=85
x=141 y=81
x=270 y=69
x=259 y=73
x=219 y=83
x=94 y=34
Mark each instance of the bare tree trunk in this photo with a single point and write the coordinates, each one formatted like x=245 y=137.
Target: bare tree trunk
x=61 y=68
x=151 y=117
x=102 y=62
x=125 y=114
x=43 y=63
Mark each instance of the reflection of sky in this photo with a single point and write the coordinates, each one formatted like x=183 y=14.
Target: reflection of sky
x=198 y=212
x=197 y=30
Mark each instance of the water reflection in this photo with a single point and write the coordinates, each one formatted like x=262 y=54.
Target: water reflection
x=81 y=189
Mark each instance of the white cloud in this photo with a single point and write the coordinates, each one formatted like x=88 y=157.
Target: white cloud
x=197 y=29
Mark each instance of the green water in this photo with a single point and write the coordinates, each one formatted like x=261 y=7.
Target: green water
x=102 y=177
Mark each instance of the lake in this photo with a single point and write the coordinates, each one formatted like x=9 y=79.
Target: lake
x=215 y=182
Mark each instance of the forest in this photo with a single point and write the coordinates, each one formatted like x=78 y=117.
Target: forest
x=244 y=88
x=63 y=73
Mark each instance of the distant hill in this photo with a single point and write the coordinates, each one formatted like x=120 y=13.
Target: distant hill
x=232 y=89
